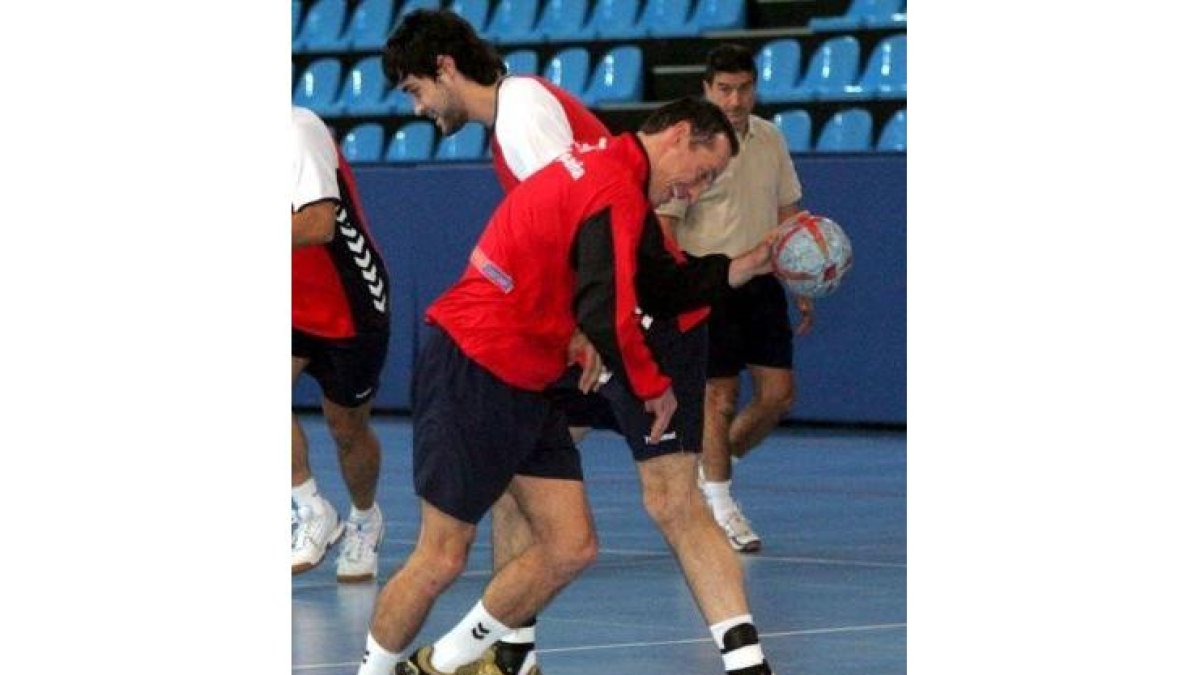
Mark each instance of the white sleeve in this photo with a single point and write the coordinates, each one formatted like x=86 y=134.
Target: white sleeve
x=314 y=161
x=531 y=126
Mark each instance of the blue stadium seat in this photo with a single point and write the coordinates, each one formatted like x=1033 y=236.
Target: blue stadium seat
x=467 y=143
x=317 y=88
x=614 y=20
x=886 y=74
x=369 y=24
x=411 y=143
x=778 y=69
x=894 y=137
x=297 y=15
x=856 y=15
x=618 y=77
x=667 y=18
x=365 y=90
x=569 y=69
x=521 y=62
x=474 y=11
x=513 y=21
x=847 y=131
x=718 y=15
x=832 y=71
x=562 y=20
x=363 y=143
x=322 y=27
x=796 y=126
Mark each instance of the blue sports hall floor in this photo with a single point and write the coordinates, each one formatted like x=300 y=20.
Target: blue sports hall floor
x=827 y=590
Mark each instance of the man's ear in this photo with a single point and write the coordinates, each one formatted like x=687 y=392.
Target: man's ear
x=446 y=67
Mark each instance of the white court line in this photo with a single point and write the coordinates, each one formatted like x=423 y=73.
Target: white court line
x=663 y=643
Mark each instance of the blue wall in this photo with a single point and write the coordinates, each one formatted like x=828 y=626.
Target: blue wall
x=850 y=367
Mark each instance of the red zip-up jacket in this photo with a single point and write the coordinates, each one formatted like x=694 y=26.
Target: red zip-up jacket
x=562 y=248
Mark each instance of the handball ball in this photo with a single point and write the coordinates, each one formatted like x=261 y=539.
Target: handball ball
x=811 y=255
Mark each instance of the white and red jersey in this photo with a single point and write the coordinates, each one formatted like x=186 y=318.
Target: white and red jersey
x=339 y=289
x=536 y=122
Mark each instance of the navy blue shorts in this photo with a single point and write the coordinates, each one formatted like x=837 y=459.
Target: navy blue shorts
x=682 y=358
x=473 y=432
x=347 y=369
x=750 y=326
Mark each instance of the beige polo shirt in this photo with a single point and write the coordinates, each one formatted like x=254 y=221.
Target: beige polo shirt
x=734 y=215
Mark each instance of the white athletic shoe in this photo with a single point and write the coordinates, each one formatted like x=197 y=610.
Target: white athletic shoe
x=737 y=530
x=359 y=558
x=314 y=529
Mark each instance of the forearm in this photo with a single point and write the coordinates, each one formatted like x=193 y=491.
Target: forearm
x=313 y=225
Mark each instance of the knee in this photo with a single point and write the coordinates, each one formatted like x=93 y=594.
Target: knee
x=779 y=400
x=570 y=557
x=667 y=508
x=439 y=567
x=348 y=433
x=720 y=403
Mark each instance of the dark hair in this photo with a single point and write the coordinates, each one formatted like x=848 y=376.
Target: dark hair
x=707 y=121
x=424 y=34
x=730 y=58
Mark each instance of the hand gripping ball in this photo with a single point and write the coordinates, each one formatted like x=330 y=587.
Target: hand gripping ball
x=811 y=255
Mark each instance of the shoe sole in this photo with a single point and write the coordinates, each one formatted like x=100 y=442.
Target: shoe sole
x=356 y=578
x=752 y=547
x=304 y=567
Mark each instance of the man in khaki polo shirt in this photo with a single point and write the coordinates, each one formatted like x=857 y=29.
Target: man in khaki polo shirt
x=749 y=328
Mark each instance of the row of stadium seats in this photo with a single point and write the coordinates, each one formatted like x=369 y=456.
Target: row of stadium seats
x=833 y=71
x=864 y=14
x=832 y=74
x=850 y=130
x=617 y=78
x=847 y=131
x=325 y=27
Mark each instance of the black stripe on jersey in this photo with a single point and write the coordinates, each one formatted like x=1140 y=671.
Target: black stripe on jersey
x=595 y=301
x=666 y=288
x=360 y=268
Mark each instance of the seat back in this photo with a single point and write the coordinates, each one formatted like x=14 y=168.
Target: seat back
x=886 y=74
x=369 y=24
x=569 y=69
x=847 y=131
x=365 y=89
x=615 y=19
x=667 y=18
x=317 y=87
x=618 y=77
x=894 y=137
x=718 y=15
x=513 y=21
x=778 y=69
x=363 y=143
x=521 y=62
x=562 y=20
x=412 y=142
x=322 y=27
x=796 y=127
x=833 y=69
x=467 y=143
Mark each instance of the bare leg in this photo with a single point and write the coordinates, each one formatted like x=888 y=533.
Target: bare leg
x=774 y=393
x=710 y=566
x=300 y=470
x=563 y=544
x=358 y=450
x=437 y=560
x=720 y=403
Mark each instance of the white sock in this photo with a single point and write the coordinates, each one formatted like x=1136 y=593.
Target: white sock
x=363 y=516
x=306 y=492
x=720 y=500
x=467 y=641
x=377 y=660
x=747 y=655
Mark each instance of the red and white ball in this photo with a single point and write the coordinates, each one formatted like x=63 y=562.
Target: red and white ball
x=811 y=255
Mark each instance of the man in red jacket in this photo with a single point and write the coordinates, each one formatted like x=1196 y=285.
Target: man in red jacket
x=561 y=250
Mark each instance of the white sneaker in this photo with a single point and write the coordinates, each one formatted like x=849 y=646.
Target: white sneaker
x=314 y=529
x=737 y=530
x=359 y=557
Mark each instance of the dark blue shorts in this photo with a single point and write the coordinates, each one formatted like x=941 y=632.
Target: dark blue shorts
x=347 y=369
x=473 y=432
x=750 y=326
x=682 y=358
